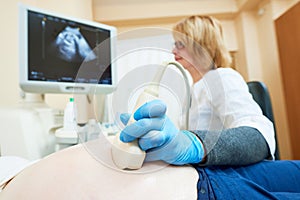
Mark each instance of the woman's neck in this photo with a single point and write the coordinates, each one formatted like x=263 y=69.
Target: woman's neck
x=197 y=74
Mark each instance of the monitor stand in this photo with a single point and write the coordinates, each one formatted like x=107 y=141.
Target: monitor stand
x=33 y=100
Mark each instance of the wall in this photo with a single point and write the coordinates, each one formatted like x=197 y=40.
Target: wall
x=129 y=10
x=134 y=14
x=248 y=56
x=9 y=42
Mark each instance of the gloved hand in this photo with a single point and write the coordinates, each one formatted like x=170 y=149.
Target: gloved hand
x=159 y=137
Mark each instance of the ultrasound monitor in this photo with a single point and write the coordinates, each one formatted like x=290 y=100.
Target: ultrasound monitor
x=60 y=54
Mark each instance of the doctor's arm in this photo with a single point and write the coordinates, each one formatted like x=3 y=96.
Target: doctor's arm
x=236 y=146
x=159 y=137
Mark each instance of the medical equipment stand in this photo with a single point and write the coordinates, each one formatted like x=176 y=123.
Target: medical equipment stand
x=28 y=129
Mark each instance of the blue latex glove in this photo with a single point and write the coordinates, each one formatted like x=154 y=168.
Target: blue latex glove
x=159 y=137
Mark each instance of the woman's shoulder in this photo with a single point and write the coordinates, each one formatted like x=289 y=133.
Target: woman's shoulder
x=222 y=71
x=228 y=71
x=225 y=77
x=224 y=74
x=230 y=74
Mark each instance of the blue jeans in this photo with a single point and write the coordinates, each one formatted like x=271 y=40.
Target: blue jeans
x=264 y=180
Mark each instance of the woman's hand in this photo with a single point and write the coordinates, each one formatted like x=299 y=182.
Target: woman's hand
x=159 y=137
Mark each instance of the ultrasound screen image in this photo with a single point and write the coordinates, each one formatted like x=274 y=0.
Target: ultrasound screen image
x=70 y=45
x=57 y=48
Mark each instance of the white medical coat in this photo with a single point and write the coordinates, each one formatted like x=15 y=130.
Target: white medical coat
x=221 y=100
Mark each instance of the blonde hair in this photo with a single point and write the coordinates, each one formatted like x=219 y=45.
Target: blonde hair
x=202 y=36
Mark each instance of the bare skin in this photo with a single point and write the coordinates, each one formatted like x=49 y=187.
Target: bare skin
x=74 y=173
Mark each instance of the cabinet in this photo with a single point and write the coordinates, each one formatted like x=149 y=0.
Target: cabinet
x=288 y=37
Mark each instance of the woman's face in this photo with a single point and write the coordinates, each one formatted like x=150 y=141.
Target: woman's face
x=182 y=55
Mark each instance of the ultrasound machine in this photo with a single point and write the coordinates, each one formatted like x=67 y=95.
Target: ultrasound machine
x=60 y=55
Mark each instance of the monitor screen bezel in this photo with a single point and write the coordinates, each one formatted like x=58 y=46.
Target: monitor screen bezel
x=44 y=87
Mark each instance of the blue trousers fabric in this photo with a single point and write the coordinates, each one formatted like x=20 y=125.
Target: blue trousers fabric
x=264 y=180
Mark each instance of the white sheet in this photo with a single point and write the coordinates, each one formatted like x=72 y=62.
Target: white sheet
x=10 y=166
